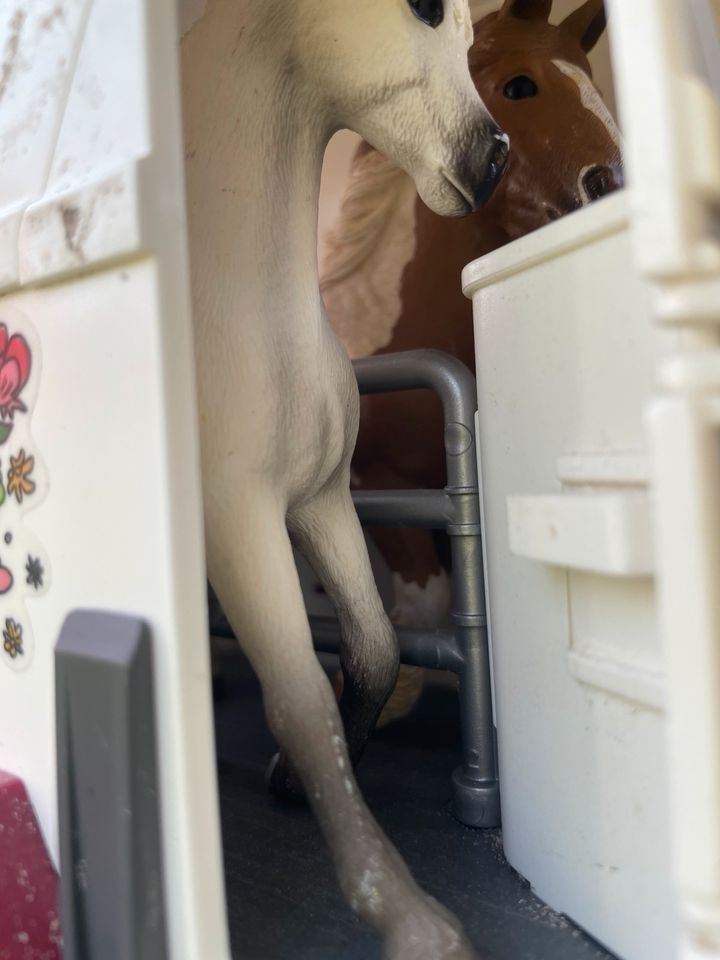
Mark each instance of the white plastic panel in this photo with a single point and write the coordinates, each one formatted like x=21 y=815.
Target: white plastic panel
x=39 y=43
x=667 y=54
x=565 y=358
x=97 y=221
x=614 y=637
x=686 y=441
x=102 y=234
x=102 y=125
x=672 y=131
x=602 y=532
x=89 y=211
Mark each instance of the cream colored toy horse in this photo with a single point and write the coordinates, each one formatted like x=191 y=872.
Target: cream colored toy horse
x=265 y=85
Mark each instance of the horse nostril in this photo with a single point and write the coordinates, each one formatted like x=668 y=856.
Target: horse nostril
x=498 y=157
x=598 y=182
x=482 y=166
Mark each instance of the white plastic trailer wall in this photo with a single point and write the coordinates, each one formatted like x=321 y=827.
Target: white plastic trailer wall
x=599 y=382
x=93 y=276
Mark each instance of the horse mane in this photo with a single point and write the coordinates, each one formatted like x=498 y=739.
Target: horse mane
x=370 y=245
x=367 y=251
x=367 y=208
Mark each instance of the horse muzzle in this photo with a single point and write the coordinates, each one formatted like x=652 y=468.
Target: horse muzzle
x=481 y=166
x=495 y=168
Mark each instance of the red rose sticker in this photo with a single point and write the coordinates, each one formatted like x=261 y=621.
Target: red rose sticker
x=15 y=363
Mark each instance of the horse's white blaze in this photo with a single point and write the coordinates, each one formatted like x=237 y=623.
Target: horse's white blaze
x=591 y=99
x=418 y=606
x=463 y=19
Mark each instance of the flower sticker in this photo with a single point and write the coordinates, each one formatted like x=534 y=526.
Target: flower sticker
x=25 y=567
x=35 y=572
x=15 y=366
x=18 y=476
x=13 y=639
x=6 y=578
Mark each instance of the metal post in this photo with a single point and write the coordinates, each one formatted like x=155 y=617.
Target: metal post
x=476 y=795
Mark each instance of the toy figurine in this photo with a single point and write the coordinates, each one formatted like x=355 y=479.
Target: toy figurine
x=391 y=278
x=265 y=86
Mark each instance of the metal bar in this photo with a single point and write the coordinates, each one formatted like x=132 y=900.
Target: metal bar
x=434 y=649
x=476 y=799
x=450 y=380
x=404 y=508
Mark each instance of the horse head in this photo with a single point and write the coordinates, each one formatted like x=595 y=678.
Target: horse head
x=398 y=73
x=536 y=80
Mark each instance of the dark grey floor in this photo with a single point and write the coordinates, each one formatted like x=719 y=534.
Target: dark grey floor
x=283 y=902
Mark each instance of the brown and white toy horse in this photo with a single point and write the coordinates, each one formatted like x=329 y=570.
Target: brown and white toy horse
x=392 y=274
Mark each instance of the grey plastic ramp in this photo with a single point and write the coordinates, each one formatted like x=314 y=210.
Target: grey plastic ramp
x=110 y=856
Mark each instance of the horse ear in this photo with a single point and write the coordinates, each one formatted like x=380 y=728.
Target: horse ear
x=526 y=9
x=587 y=23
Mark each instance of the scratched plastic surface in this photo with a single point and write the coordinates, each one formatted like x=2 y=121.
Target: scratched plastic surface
x=29 y=889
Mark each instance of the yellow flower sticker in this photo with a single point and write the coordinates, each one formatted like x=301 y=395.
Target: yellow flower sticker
x=18 y=476
x=12 y=635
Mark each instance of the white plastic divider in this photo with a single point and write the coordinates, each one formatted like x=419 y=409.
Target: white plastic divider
x=565 y=359
x=667 y=57
x=671 y=125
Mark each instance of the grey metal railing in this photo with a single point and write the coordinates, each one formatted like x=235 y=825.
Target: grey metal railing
x=464 y=647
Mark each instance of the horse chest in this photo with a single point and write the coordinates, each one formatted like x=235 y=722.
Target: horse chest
x=320 y=427
x=292 y=412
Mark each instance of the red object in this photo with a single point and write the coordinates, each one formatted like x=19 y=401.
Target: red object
x=15 y=362
x=29 y=885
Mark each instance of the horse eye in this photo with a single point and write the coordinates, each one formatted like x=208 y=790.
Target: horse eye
x=520 y=88
x=429 y=11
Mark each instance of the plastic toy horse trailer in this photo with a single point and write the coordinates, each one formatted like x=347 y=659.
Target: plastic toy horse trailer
x=598 y=386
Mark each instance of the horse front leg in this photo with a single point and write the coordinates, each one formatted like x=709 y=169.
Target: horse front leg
x=328 y=534
x=253 y=572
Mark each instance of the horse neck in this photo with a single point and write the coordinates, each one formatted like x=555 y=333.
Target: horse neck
x=458 y=242
x=480 y=234
x=254 y=148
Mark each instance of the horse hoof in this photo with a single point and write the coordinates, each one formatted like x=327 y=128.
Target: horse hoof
x=432 y=933
x=408 y=687
x=283 y=782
